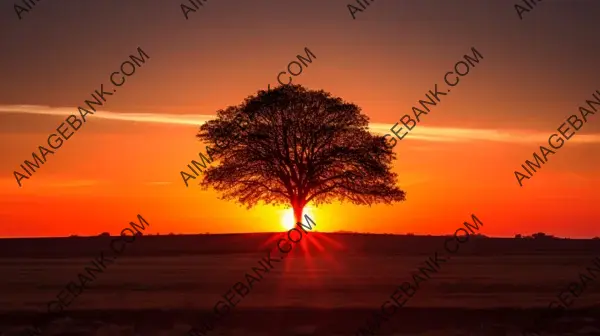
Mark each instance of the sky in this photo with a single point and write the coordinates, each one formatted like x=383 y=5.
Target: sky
x=459 y=160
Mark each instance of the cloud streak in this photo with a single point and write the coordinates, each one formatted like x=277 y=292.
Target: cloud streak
x=448 y=134
x=423 y=133
x=161 y=118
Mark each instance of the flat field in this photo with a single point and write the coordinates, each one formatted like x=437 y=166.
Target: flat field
x=329 y=285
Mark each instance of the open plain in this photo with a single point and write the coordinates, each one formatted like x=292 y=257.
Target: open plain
x=329 y=285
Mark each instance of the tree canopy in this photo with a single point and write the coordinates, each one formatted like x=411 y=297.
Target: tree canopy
x=293 y=146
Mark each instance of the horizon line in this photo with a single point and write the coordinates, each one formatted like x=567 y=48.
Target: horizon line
x=524 y=236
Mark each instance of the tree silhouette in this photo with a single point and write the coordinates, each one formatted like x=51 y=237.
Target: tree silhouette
x=542 y=235
x=293 y=146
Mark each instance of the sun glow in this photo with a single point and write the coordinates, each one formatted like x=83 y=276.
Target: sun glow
x=287 y=217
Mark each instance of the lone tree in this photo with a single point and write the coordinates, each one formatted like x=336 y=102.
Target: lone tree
x=293 y=146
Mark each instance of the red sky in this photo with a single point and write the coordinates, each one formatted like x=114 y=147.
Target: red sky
x=459 y=160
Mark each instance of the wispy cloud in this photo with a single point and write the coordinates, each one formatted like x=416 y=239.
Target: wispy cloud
x=73 y=184
x=161 y=118
x=424 y=133
x=448 y=134
x=158 y=183
x=7 y=184
x=52 y=184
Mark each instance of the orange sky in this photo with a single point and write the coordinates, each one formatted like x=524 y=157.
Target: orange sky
x=459 y=160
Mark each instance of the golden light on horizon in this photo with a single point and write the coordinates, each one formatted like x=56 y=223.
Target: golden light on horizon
x=287 y=217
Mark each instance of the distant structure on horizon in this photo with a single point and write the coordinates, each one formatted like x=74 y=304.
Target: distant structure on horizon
x=539 y=235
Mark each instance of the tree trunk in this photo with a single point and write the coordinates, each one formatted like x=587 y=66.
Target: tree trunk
x=298 y=209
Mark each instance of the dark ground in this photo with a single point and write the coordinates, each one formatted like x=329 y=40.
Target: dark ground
x=330 y=286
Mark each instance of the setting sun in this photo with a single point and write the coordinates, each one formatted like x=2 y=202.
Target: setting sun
x=287 y=217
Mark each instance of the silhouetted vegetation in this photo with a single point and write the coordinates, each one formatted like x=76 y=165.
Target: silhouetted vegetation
x=541 y=235
x=298 y=146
